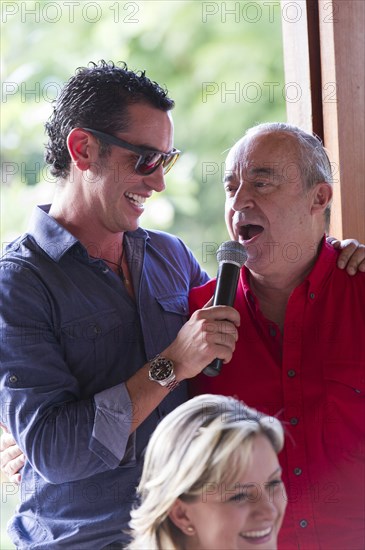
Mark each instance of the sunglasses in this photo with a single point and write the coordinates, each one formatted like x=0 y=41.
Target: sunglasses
x=149 y=159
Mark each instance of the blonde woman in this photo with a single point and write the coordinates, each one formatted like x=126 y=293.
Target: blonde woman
x=211 y=479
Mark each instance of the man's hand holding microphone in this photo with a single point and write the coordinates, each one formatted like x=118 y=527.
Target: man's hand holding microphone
x=208 y=339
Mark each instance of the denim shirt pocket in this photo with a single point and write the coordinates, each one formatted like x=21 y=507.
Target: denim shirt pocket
x=89 y=342
x=174 y=303
x=174 y=313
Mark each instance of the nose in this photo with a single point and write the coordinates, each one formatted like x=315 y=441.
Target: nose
x=156 y=180
x=243 y=198
x=265 y=507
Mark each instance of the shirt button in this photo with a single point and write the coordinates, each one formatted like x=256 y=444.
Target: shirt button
x=97 y=330
x=297 y=471
x=13 y=379
x=312 y=295
x=105 y=270
x=291 y=373
x=294 y=421
x=303 y=523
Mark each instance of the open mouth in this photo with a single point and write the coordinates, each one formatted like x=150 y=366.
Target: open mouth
x=249 y=231
x=257 y=535
x=136 y=200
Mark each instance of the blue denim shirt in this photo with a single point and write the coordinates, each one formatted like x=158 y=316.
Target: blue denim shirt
x=71 y=335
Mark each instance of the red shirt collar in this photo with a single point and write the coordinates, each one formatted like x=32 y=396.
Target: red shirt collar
x=315 y=280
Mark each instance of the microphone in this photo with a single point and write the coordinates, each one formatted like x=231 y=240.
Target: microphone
x=231 y=256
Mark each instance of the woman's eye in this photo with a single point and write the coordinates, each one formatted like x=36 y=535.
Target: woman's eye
x=239 y=497
x=275 y=483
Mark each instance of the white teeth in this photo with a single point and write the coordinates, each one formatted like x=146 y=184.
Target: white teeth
x=257 y=534
x=137 y=199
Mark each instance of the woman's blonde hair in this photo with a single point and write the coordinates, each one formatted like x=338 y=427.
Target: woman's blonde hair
x=207 y=440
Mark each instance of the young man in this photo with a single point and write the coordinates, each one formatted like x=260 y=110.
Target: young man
x=89 y=300
x=301 y=349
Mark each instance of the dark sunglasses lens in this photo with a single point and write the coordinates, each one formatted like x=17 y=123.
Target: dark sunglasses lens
x=169 y=162
x=148 y=163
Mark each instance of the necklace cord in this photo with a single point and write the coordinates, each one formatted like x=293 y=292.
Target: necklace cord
x=118 y=265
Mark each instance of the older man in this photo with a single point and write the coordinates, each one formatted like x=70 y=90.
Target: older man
x=301 y=348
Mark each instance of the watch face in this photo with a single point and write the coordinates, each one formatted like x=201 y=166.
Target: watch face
x=161 y=369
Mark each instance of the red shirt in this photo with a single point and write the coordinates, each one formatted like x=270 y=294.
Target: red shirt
x=313 y=379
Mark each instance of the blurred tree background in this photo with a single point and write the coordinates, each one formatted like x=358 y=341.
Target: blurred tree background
x=222 y=62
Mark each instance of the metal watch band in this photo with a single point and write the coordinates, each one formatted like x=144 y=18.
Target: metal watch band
x=172 y=385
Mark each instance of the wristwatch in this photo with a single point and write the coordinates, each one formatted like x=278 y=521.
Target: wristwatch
x=162 y=372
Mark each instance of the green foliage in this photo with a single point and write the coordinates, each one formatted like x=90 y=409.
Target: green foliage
x=221 y=61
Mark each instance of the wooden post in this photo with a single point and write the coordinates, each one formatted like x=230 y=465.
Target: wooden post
x=342 y=25
x=302 y=64
x=324 y=53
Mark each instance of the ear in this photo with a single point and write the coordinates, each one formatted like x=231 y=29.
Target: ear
x=81 y=147
x=322 y=196
x=180 y=516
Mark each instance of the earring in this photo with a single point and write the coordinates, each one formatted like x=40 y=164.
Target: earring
x=190 y=529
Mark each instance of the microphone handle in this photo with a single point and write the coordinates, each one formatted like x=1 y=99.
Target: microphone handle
x=214 y=368
x=224 y=296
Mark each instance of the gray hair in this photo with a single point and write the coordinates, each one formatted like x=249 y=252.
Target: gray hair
x=314 y=163
x=207 y=440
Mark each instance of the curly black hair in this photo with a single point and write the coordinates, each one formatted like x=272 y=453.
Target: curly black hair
x=97 y=97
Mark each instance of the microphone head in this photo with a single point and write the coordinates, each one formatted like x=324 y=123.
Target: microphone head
x=232 y=252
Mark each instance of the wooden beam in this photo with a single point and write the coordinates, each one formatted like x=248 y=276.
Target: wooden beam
x=324 y=54
x=342 y=47
x=302 y=63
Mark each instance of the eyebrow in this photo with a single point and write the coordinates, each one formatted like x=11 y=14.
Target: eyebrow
x=228 y=178
x=251 y=172
x=277 y=471
x=262 y=171
x=240 y=486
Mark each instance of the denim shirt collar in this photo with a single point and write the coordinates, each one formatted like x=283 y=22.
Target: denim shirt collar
x=54 y=239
